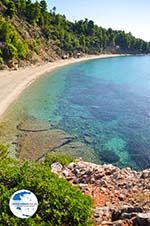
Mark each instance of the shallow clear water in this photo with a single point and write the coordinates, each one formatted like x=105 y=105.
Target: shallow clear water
x=104 y=100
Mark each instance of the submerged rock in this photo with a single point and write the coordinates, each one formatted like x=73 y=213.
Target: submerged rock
x=78 y=149
x=88 y=139
x=34 y=126
x=36 y=138
x=34 y=145
x=109 y=156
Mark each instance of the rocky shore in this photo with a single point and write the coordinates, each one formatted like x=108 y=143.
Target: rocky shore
x=121 y=197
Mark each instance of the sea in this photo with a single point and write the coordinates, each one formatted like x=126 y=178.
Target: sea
x=104 y=102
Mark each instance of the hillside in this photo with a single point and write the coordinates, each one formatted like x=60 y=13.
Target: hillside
x=29 y=33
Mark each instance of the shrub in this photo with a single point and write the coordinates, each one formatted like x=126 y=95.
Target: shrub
x=3 y=151
x=17 y=48
x=58 y=157
x=1 y=62
x=13 y=53
x=59 y=202
x=35 y=45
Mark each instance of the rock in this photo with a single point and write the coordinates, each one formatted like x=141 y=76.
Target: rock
x=71 y=165
x=101 y=214
x=121 y=197
x=56 y=167
x=13 y=64
x=64 y=57
x=144 y=215
x=93 y=180
x=145 y=174
x=99 y=175
x=34 y=126
x=65 y=173
x=142 y=219
x=88 y=139
x=127 y=212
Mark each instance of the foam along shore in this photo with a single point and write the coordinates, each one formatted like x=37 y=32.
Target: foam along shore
x=12 y=83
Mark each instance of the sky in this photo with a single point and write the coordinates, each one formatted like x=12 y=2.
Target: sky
x=129 y=15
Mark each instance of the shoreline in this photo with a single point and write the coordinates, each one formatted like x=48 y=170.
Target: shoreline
x=13 y=83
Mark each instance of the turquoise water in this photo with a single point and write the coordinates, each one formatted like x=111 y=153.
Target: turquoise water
x=106 y=100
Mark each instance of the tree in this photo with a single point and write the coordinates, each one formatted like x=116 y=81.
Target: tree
x=28 y=2
x=22 y=4
x=17 y=4
x=33 y=12
x=5 y=2
x=11 y=10
x=90 y=28
x=54 y=10
x=43 y=5
x=36 y=12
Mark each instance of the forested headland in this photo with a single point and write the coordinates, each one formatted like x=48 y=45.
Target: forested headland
x=30 y=32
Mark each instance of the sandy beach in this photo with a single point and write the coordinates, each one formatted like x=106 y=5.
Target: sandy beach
x=12 y=83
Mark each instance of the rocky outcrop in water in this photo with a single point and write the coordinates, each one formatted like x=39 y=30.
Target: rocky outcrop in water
x=36 y=138
x=121 y=196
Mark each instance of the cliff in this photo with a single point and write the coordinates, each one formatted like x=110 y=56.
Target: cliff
x=121 y=197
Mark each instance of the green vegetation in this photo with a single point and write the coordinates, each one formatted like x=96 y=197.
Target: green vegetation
x=58 y=157
x=12 y=46
x=56 y=31
x=59 y=202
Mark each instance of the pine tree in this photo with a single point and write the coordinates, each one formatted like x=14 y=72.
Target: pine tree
x=43 y=5
x=11 y=10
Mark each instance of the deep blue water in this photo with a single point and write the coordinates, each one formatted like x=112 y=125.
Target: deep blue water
x=106 y=100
